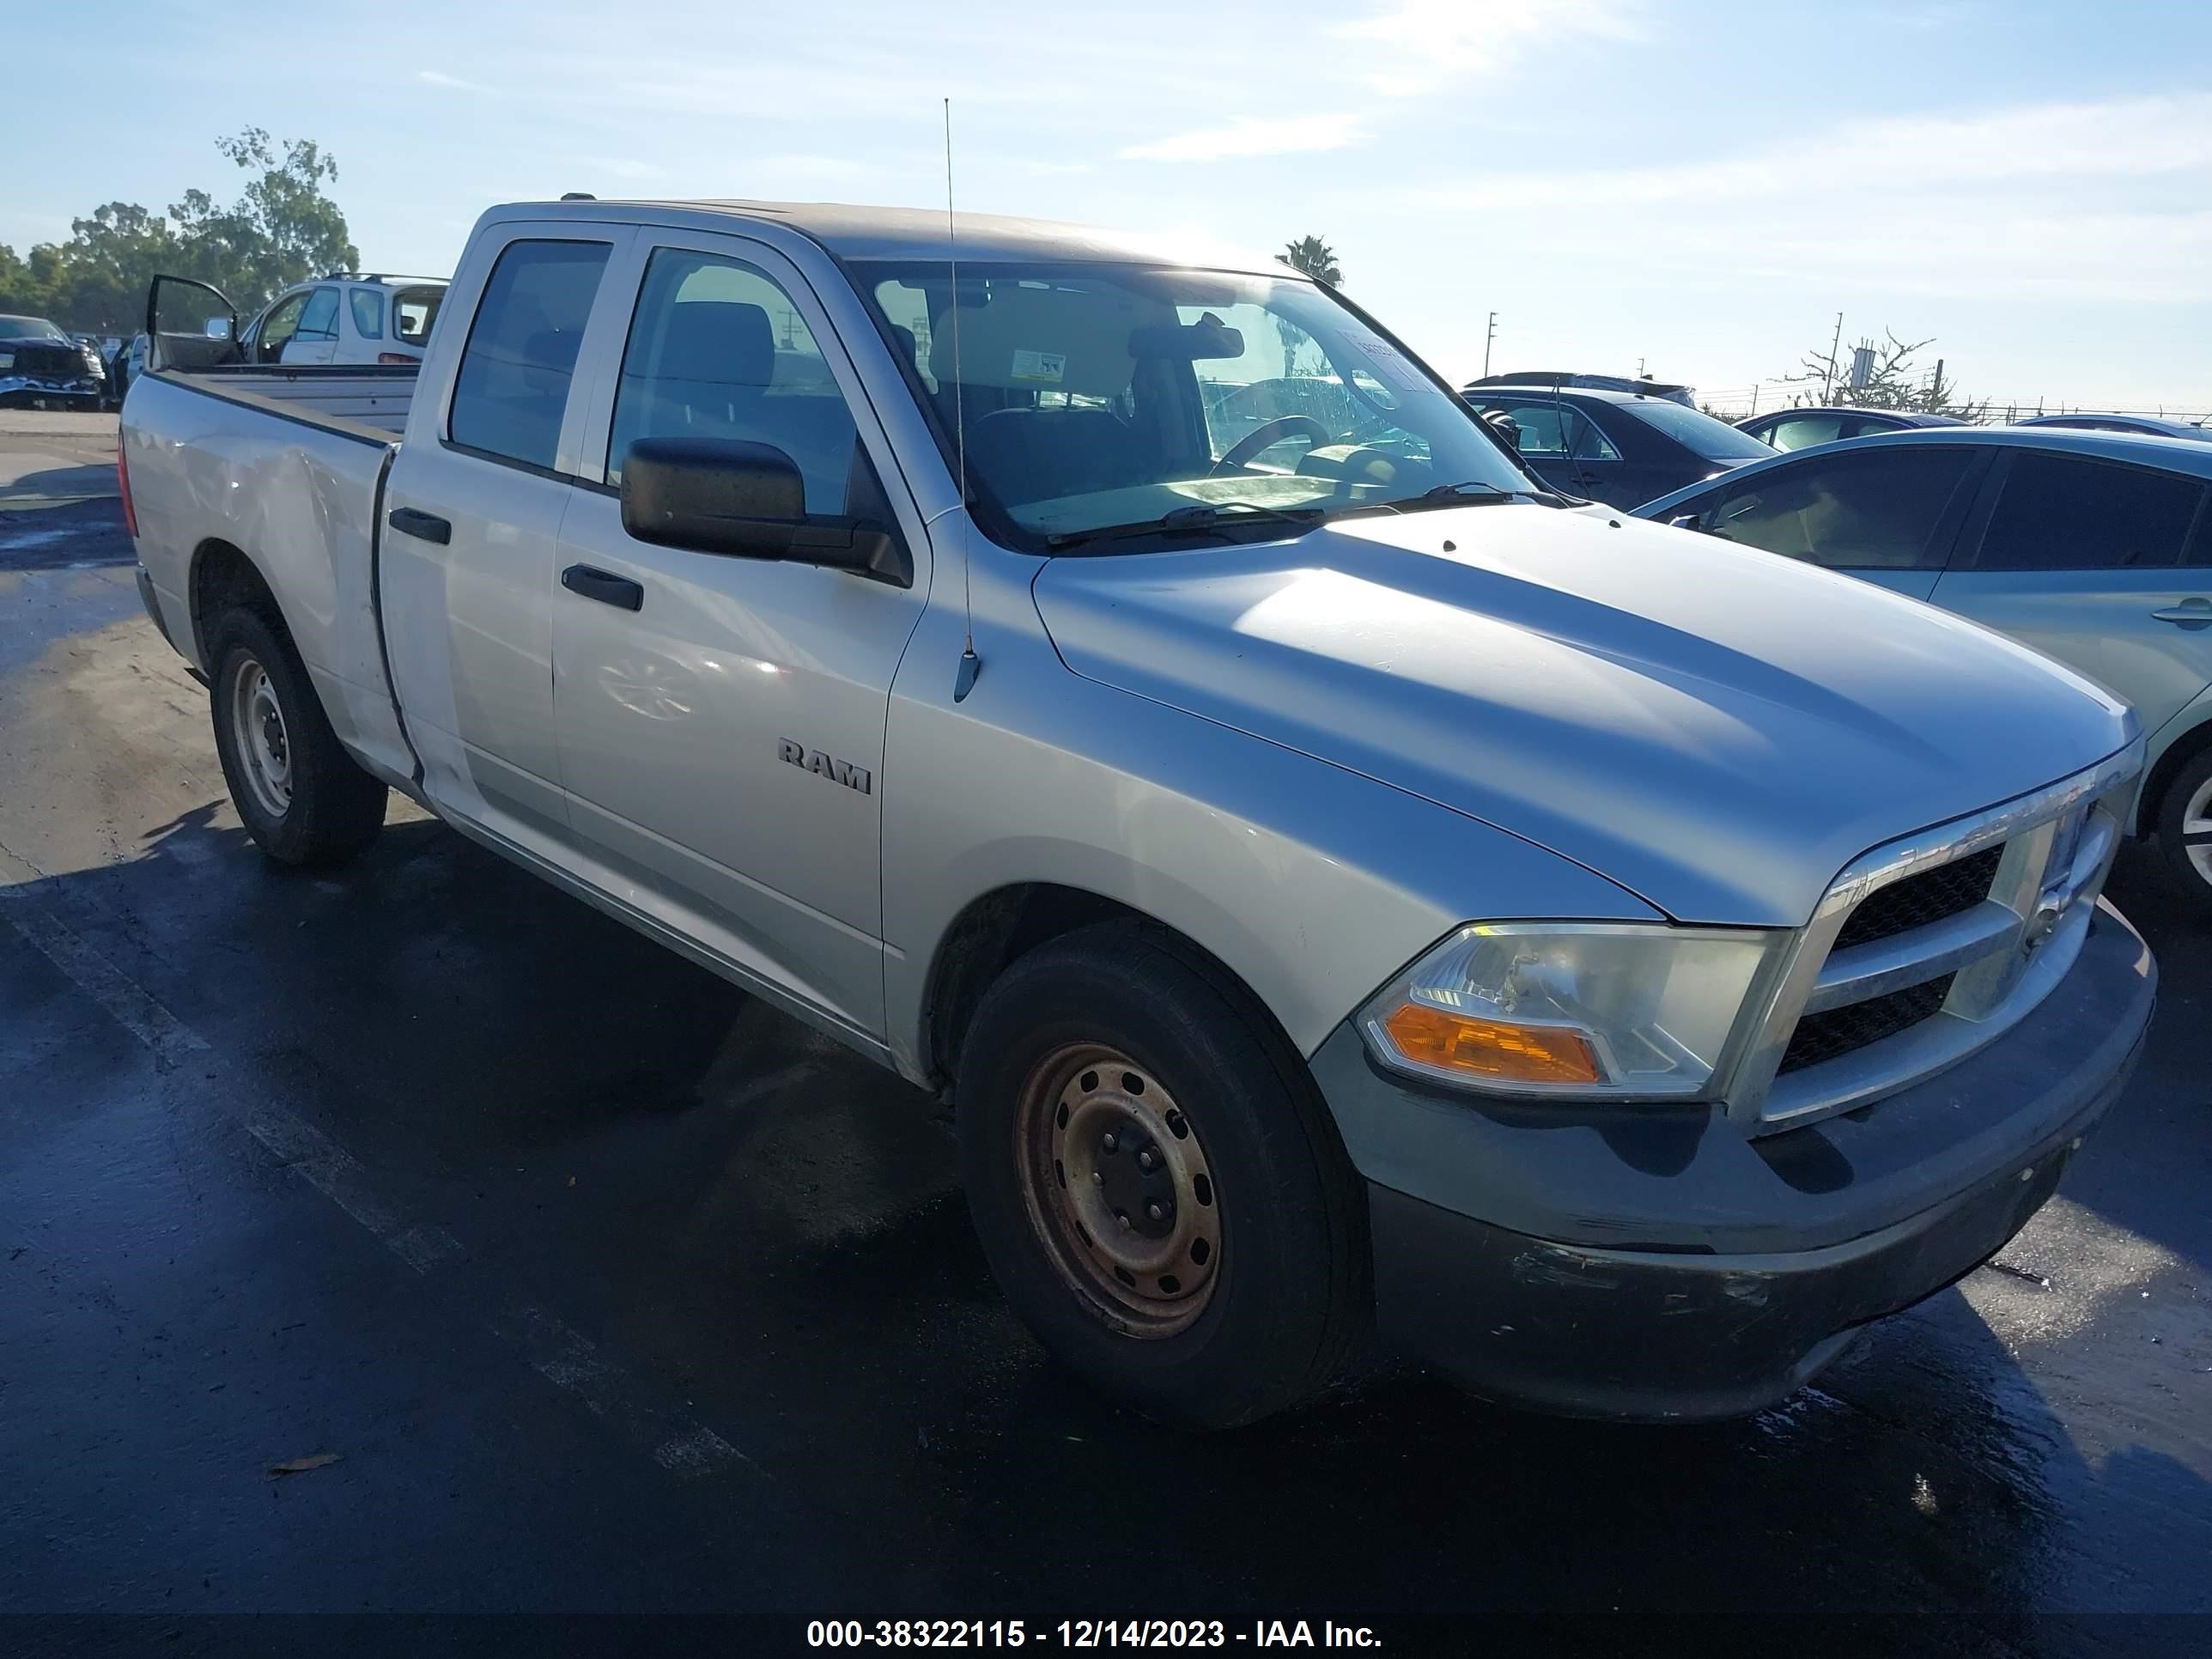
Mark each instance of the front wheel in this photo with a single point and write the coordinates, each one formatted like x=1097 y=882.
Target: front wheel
x=1157 y=1182
x=2185 y=831
x=299 y=793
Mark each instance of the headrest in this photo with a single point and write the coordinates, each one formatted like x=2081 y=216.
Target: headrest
x=723 y=342
x=1043 y=339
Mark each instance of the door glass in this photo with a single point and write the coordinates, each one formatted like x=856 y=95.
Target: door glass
x=368 y=312
x=1803 y=431
x=717 y=350
x=319 y=321
x=513 y=387
x=1553 y=432
x=278 y=326
x=1878 y=509
x=2058 y=512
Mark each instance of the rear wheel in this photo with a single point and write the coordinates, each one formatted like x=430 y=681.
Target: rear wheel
x=1159 y=1188
x=299 y=793
x=2185 y=831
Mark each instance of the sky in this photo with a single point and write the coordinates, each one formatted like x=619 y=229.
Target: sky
x=1697 y=189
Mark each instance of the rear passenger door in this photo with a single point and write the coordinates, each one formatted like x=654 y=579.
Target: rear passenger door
x=1886 y=514
x=472 y=521
x=1560 y=445
x=2099 y=564
x=695 y=691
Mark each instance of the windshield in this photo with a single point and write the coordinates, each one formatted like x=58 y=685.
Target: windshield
x=1097 y=395
x=1699 y=432
x=29 y=328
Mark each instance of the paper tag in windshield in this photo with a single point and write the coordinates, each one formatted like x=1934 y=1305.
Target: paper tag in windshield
x=1396 y=372
x=1040 y=368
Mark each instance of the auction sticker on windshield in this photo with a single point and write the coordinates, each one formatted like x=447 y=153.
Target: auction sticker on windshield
x=1040 y=368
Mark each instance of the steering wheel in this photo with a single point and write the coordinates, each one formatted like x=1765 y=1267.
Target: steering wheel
x=1266 y=435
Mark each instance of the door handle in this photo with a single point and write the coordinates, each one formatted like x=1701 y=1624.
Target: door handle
x=423 y=526
x=2190 y=611
x=619 y=591
x=2198 y=611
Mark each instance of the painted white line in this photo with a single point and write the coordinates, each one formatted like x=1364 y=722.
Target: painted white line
x=169 y=1037
x=338 y=1176
x=568 y=1359
x=564 y=1357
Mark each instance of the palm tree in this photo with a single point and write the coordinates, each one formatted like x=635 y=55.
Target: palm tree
x=1314 y=257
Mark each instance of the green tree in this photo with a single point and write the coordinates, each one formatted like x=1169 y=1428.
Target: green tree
x=1314 y=257
x=283 y=227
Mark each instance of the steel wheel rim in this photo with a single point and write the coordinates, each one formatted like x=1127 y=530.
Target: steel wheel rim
x=1118 y=1187
x=260 y=737
x=2196 y=830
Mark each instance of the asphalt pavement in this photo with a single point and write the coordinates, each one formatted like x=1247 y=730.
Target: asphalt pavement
x=416 y=1240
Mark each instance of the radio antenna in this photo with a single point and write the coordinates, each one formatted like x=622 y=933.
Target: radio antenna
x=970 y=664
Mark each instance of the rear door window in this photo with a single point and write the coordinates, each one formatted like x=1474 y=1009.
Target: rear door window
x=2066 y=512
x=512 y=390
x=1552 y=431
x=1803 y=431
x=368 y=312
x=1890 y=509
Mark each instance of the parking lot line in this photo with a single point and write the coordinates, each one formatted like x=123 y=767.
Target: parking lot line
x=558 y=1351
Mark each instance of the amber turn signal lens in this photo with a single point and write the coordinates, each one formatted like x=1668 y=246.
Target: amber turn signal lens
x=1489 y=1048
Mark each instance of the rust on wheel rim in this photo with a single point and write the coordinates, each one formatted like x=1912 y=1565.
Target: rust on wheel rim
x=1118 y=1187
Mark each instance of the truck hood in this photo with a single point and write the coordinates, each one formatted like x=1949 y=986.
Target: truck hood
x=1717 y=729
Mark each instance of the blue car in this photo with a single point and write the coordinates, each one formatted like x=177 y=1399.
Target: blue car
x=2095 y=548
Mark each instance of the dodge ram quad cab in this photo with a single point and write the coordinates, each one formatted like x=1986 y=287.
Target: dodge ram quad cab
x=1341 y=884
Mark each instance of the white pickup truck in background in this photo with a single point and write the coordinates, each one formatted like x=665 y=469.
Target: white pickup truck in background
x=1339 y=880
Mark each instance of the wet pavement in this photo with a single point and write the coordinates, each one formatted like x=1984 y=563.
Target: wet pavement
x=609 y=1291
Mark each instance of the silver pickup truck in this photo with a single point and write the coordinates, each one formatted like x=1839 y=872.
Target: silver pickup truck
x=1341 y=884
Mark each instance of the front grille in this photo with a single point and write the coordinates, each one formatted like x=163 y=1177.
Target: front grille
x=1857 y=1026
x=1932 y=896
x=47 y=363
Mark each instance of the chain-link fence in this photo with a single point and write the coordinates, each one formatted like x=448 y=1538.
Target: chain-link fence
x=1741 y=402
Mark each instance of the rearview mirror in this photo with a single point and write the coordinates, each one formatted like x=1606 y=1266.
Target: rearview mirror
x=746 y=500
x=1189 y=343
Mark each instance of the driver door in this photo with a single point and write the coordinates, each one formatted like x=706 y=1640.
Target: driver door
x=270 y=333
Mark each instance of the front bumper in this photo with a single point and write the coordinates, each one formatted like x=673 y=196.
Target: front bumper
x=26 y=388
x=1669 y=1268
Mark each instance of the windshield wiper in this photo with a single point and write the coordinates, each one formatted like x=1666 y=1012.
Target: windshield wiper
x=1200 y=516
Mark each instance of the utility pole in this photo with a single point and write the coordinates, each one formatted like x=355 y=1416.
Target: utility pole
x=1488 y=340
x=1828 y=380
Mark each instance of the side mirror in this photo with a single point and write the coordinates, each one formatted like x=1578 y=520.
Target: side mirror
x=746 y=500
x=218 y=328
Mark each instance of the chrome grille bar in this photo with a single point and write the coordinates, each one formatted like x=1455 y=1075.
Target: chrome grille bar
x=2005 y=955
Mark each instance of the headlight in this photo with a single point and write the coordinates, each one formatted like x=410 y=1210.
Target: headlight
x=1609 y=1010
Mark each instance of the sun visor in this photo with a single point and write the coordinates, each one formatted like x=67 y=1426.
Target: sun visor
x=1045 y=339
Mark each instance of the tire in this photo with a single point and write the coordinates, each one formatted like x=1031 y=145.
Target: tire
x=2185 y=831
x=1254 y=1288
x=299 y=794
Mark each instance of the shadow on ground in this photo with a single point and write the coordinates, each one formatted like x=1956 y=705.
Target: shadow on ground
x=770 y=1228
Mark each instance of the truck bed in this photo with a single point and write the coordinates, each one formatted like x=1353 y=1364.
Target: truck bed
x=358 y=400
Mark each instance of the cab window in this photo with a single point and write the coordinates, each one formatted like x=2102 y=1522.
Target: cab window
x=320 y=321
x=278 y=325
x=717 y=350
x=511 y=389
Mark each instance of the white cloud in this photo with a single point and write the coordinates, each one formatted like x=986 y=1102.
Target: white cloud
x=452 y=83
x=2031 y=203
x=1896 y=156
x=1432 y=45
x=1248 y=136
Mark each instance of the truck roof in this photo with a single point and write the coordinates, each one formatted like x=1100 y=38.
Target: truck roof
x=850 y=232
